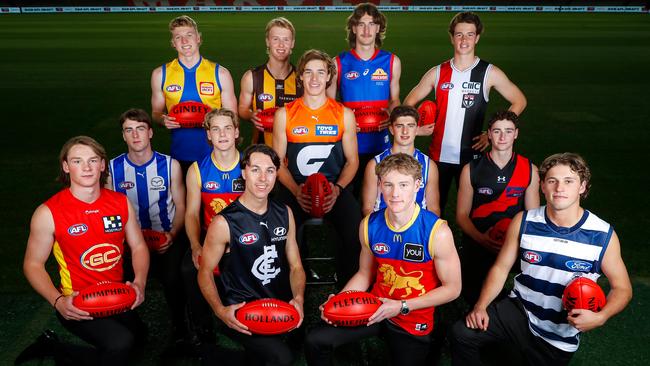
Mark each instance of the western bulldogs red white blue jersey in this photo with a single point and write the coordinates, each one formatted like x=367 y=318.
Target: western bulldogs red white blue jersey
x=220 y=186
x=419 y=197
x=405 y=267
x=462 y=100
x=148 y=187
x=366 y=83
x=551 y=257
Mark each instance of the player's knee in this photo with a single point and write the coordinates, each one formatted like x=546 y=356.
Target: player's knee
x=460 y=334
x=121 y=344
x=317 y=339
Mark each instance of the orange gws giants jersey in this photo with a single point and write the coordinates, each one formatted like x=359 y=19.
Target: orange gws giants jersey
x=314 y=140
x=88 y=238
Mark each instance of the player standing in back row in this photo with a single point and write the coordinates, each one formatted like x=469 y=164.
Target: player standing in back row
x=461 y=87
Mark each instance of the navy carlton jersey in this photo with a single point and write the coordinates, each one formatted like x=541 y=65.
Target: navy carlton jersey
x=257 y=265
x=498 y=193
x=419 y=197
x=148 y=187
x=366 y=83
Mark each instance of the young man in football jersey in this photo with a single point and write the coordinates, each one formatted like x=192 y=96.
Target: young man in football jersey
x=492 y=188
x=82 y=221
x=268 y=266
x=272 y=84
x=315 y=134
x=403 y=127
x=409 y=259
x=461 y=88
x=154 y=184
x=367 y=76
x=554 y=244
x=189 y=77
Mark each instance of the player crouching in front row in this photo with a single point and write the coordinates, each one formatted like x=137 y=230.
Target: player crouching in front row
x=409 y=258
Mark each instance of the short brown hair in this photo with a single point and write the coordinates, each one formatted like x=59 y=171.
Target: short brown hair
x=504 y=115
x=259 y=148
x=280 y=22
x=87 y=141
x=466 y=17
x=403 y=163
x=574 y=161
x=404 y=111
x=135 y=114
x=222 y=112
x=311 y=55
x=377 y=17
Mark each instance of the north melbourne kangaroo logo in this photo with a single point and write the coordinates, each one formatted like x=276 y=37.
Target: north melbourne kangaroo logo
x=263 y=268
x=397 y=282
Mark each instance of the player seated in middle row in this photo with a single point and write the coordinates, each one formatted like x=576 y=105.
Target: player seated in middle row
x=403 y=126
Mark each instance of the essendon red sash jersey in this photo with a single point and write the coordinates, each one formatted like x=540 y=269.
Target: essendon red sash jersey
x=462 y=100
x=404 y=259
x=88 y=238
x=498 y=193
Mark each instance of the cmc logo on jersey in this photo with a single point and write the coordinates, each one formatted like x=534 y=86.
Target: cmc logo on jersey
x=101 y=257
x=211 y=185
x=173 y=88
x=300 y=130
x=471 y=87
x=532 y=257
x=77 y=229
x=265 y=97
x=351 y=75
x=381 y=248
x=249 y=238
x=579 y=266
x=446 y=86
x=327 y=130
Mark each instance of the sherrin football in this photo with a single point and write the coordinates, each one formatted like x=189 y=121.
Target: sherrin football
x=268 y=316
x=105 y=299
x=499 y=230
x=583 y=293
x=427 y=111
x=266 y=117
x=317 y=187
x=154 y=239
x=369 y=119
x=189 y=114
x=351 y=308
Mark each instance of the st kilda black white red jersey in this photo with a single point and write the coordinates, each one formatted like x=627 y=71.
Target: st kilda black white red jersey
x=462 y=100
x=257 y=265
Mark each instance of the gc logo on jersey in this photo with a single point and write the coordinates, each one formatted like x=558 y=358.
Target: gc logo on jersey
x=380 y=248
x=327 y=130
x=351 y=75
x=112 y=223
x=173 y=88
x=413 y=252
x=101 y=257
x=126 y=185
x=206 y=88
x=249 y=238
x=77 y=229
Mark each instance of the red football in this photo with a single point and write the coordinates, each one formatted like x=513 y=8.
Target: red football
x=268 y=316
x=266 y=117
x=216 y=270
x=317 y=187
x=498 y=231
x=368 y=119
x=189 y=114
x=154 y=239
x=427 y=111
x=105 y=299
x=583 y=293
x=351 y=308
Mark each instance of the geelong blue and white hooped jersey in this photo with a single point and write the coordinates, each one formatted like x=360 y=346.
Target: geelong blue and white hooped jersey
x=148 y=187
x=551 y=256
x=419 y=197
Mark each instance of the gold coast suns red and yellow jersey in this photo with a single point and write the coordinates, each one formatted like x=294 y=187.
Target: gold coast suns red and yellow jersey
x=404 y=259
x=88 y=238
x=314 y=140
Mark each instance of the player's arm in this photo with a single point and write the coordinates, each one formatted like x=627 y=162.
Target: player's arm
x=193 y=212
x=245 y=107
x=498 y=79
x=370 y=189
x=463 y=209
x=431 y=191
x=139 y=255
x=158 y=106
x=296 y=272
x=178 y=197
x=419 y=92
x=216 y=241
x=496 y=278
x=228 y=99
x=331 y=91
x=618 y=297
x=39 y=247
x=351 y=165
x=531 y=197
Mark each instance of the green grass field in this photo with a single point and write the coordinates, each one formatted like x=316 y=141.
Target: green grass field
x=585 y=77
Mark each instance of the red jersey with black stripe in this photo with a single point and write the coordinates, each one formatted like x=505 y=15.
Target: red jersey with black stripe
x=88 y=238
x=462 y=99
x=498 y=193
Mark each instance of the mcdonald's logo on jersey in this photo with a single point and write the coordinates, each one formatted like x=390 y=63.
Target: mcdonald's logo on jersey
x=397 y=238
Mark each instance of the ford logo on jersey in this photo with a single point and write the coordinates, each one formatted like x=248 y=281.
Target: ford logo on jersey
x=211 y=185
x=249 y=238
x=381 y=248
x=532 y=257
x=578 y=266
x=351 y=75
x=77 y=229
x=327 y=130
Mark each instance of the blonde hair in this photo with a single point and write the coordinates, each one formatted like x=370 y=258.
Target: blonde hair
x=222 y=112
x=403 y=163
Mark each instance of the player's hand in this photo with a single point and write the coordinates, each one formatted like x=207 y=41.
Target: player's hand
x=330 y=200
x=389 y=308
x=139 y=293
x=196 y=253
x=170 y=122
x=489 y=243
x=482 y=142
x=298 y=304
x=163 y=248
x=70 y=312
x=477 y=319
x=585 y=320
x=227 y=315
x=385 y=123
x=303 y=199
x=425 y=130
x=256 y=121
x=321 y=307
